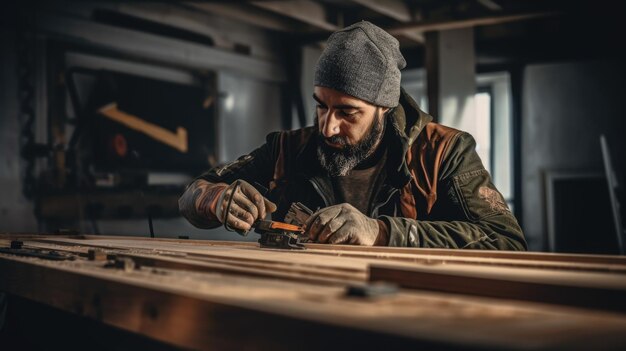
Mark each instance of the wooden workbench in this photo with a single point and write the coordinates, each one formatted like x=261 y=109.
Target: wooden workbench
x=204 y=295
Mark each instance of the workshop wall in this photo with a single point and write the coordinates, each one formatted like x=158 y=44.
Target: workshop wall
x=16 y=212
x=566 y=106
x=245 y=61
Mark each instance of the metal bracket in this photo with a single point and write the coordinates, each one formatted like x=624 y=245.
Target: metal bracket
x=17 y=249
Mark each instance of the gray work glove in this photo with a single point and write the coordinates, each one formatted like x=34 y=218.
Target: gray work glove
x=246 y=207
x=344 y=224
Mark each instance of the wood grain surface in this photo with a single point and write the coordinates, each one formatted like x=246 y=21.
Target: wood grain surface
x=222 y=295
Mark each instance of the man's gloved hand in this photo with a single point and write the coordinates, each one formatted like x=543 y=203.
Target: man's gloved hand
x=344 y=224
x=246 y=207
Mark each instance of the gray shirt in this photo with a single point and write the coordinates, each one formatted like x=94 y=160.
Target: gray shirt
x=356 y=187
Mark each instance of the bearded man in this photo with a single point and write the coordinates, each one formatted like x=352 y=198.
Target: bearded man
x=375 y=167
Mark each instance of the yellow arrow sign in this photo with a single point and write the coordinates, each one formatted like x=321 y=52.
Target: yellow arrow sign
x=176 y=140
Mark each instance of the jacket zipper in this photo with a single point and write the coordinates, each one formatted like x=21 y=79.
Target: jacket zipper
x=319 y=191
x=327 y=204
x=375 y=209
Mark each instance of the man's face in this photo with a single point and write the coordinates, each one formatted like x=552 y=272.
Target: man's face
x=350 y=129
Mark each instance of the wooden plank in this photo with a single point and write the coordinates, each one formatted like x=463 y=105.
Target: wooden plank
x=515 y=255
x=271 y=270
x=143 y=45
x=383 y=251
x=208 y=311
x=396 y=9
x=491 y=5
x=240 y=254
x=307 y=11
x=177 y=140
x=417 y=256
x=493 y=277
x=430 y=259
x=427 y=259
x=351 y=260
x=581 y=289
x=430 y=26
x=179 y=319
x=237 y=12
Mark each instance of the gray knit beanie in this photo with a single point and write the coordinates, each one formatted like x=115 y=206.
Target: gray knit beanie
x=364 y=61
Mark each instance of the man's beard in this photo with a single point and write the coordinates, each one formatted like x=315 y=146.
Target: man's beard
x=340 y=161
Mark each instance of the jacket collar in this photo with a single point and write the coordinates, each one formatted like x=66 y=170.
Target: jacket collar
x=408 y=121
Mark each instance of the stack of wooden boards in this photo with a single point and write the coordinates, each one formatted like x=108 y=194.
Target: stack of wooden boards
x=215 y=295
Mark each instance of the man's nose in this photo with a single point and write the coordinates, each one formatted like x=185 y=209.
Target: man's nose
x=331 y=127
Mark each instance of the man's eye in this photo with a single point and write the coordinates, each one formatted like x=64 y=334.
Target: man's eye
x=321 y=107
x=348 y=114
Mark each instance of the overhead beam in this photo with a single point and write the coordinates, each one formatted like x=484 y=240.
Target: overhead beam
x=306 y=11
x=417 y=37
x=428 y=26
x=145 y=45
x=396 y=9
x=234 y=11
x=490 y=4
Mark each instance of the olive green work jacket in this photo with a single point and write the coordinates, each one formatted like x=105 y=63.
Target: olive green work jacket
x=432 y=192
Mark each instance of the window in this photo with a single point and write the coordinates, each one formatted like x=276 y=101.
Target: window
x=414 y=83
x=484 y=118
x=494 y=137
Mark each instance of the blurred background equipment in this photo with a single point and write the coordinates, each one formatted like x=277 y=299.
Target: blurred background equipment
x=128 y=129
